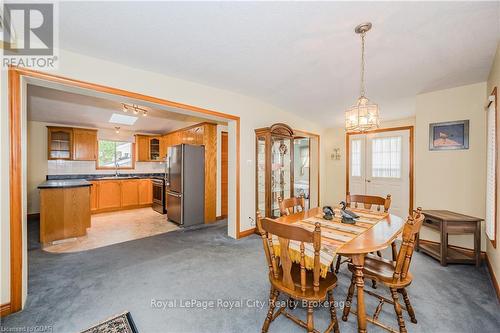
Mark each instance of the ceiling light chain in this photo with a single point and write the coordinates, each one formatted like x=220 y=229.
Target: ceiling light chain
x=363 y=34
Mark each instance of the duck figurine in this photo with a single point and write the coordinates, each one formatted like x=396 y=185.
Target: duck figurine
x=348 y=217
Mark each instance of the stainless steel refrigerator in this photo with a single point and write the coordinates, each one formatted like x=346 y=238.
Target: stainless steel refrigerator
x=186 y=185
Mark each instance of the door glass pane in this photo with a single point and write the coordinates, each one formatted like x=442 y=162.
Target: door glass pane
x=356 y=158
x=301 y=169
x=386 y=157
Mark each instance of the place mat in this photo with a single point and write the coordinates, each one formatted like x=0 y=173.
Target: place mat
x=334 y=235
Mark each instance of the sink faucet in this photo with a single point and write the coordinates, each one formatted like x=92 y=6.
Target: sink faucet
x=116 y=168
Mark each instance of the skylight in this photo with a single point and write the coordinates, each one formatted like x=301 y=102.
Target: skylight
x=117 y=118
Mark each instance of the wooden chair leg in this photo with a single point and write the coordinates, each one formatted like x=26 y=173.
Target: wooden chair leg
x=272 y=306
x=337 y=265
x=333 y=312
x=399 y=312
x=409 y=308
x=394 y=251
x=310 y=321
x=350 y=294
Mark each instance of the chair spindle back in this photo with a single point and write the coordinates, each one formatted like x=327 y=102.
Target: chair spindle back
x=288 y=206
x=410 y=231
x=368 y=201
x=282 y=265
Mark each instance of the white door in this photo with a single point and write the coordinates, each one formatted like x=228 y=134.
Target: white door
x=380 y=165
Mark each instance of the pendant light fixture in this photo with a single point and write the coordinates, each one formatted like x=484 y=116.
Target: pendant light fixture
x=363 y=115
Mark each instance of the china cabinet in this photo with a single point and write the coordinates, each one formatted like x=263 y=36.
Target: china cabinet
x=274 y=167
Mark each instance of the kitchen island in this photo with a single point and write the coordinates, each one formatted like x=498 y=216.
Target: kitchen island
x=64 y=209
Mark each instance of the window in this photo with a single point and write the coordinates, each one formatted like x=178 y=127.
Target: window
x=114 y=154
x=386 y=157
x=490 y=220
x=356 y=158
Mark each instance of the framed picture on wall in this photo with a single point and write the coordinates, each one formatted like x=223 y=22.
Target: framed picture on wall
x=451 y=135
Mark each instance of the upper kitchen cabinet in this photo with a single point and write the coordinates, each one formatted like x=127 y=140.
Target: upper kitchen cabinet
x=60 y=143
x=67 y=143
x=84 y=144
x=149 y=148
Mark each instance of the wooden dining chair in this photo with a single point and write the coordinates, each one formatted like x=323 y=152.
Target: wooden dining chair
x=367 y=202
x=294 y=279
x=394 y=275
x=290 y=205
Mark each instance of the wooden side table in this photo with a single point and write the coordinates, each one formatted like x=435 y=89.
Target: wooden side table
x=450 y=223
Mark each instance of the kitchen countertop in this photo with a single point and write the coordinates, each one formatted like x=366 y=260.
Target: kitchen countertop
x=67 y=183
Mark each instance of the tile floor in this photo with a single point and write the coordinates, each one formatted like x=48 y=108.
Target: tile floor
x=117 y=227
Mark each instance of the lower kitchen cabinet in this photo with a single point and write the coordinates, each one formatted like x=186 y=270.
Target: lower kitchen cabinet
x=112 y=195
x=109 y=196
x=130 y=193
x=145 y=192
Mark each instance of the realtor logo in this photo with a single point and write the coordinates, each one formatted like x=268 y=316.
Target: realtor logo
x=28 y=35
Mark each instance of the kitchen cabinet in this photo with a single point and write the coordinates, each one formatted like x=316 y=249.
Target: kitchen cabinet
x=149 y=148
x=129 y=193
x=112 y=195
x=61 y=216
x=145 y=188
x=60 y=143
x=142 y=148
x=84 y=144
x=94 y=203
x=109 y=194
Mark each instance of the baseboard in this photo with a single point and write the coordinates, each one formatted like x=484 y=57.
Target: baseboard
x=5 y=309
x=246 y=233
x=493 y=278
x=108 y=210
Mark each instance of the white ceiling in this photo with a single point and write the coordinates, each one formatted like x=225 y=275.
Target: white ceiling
x=300 y=56
x=69 y=108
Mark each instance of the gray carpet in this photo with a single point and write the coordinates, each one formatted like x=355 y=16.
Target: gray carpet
x=71 y=292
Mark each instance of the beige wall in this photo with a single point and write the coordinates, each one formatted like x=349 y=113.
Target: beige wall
x=37 y=163
x=253 y=114
x=494 y=81
x=455 y=179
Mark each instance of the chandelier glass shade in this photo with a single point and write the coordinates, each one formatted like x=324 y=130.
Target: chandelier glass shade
x=363 y=115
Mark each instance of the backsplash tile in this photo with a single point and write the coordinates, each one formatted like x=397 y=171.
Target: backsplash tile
x=64 y=167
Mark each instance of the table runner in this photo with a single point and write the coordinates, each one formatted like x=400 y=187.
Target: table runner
x=334 y=235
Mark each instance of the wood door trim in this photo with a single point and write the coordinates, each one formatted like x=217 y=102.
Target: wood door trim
x=494 y=241
x=379 y=130
x=5 y=310
x=15 y=159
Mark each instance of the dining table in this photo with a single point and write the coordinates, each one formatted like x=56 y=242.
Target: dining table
x=377 y=238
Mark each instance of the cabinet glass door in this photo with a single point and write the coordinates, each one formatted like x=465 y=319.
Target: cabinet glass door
x=280 y=172
x=261 y=175
x=154 y=149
